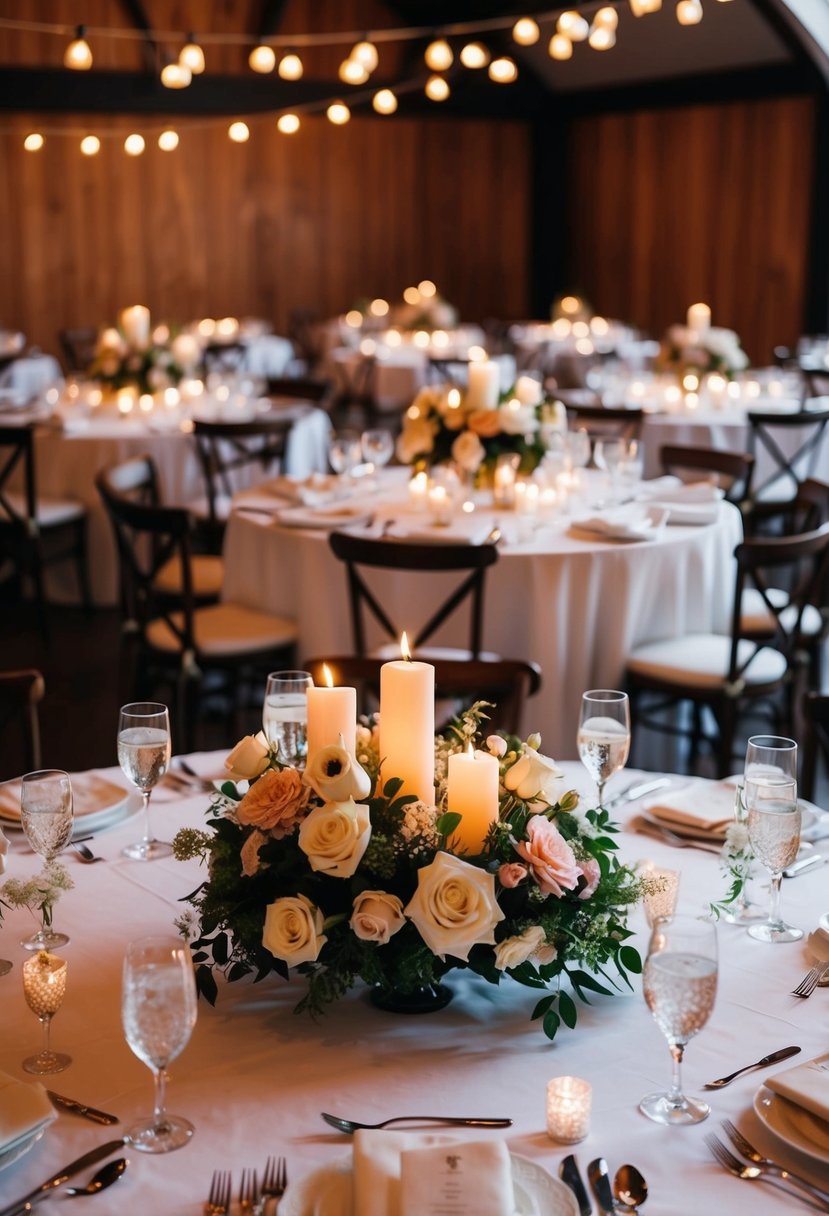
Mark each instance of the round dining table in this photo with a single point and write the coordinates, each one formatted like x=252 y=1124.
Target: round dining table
x=255 y=1076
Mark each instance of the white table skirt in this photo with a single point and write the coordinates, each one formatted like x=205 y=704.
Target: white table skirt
x=575 y=607
x=255 y=1076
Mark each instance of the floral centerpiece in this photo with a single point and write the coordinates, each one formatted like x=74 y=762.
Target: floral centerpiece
x=125 y=356
x=702 y=350
x=337 y=875
x=444 y=423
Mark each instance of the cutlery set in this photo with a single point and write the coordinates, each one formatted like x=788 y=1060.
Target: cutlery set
x=627 y=1193
x=26 y=1202
x=762 y=1169
x=253 y=1198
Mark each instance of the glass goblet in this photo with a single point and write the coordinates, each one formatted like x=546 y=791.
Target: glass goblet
x=44 y=986
x=144 y=749
x=743 y=910
x=344 y=452
x=46 y=816
x=679 y=984
x=377 y=446
x=607 y=456
x=285 y=714
x=604 y=734
x=773 y=816
x=578 y=448
x=158 y=1010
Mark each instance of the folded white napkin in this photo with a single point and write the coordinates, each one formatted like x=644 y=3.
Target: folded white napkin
x=672 y=490
x=336 y=515
x=806 y=1085
x=706 y=806
x=458 y=532
x=691 y=514
x=312 y=491
x=633 y=522
x=24 y=1108
x=389 y=1169
x=91 y=792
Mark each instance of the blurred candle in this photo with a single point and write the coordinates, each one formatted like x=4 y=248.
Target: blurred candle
x=484 y=385
x=407 y=724
x=135 y=322
x=472 y=793
x=331 y=712
x=699 y=319
x=418 y=488
x=528 y=390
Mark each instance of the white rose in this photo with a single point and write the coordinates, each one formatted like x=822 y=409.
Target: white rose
x=377 y=916
x=416 y=439
x=293 y=930
x=533 y=777
x=4 y=848
x=454 y=906
x=335 y=836
x=249 y=758
x=514 y=951
x=335 y=775
x=517 y=420
x=185 y=351
x=468 y=451
x=496 y=745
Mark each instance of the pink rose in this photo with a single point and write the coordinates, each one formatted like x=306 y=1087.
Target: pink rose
x=511 y=874
x=550 y=857
x=592 y=876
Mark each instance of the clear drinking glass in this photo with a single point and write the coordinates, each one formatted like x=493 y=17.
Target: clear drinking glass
x=772 y=756
x=285 y=714
x=604 y=734
x=144 y=749
x=377 y=446
x=158 y=1010
x=44 y=986
x=773 y=816
x=344 y=452
x=743 y=910
x=46 y=816
x=679 y=985
x=608 y=455
x=578 y=448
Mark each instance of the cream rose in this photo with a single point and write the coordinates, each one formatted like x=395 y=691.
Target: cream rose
x=549 y=857
x=275 y=803
x=249 y=758
x=514 y=951
x=497 y=745
x=335 y=836
x=468 y=451
x=454 y=906
x=377 y=916
x=335 y=775
x=517 y=419
x=249 y=855
x=293 y=930
x=533 y=778
x=416 y=439
x=486 y=423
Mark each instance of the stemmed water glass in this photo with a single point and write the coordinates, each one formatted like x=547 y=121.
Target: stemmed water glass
x=773 y=817
x=158 y=1010
x=144 y=749
x=604 y=734
x=44 y=986
x=285 y=714
x=377 y=446
x=608 y=455
x=679 y=984
x=578 y=448
x=344 y=452
x=46 y=816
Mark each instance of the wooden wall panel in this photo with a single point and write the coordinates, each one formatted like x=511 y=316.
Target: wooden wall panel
x=701 y=203
x=215 y=228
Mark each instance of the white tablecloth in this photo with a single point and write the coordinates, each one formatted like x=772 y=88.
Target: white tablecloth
x=576 y=607
x=255 y=1077
x=29 y=377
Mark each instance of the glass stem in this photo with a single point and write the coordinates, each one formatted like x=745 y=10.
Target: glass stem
x=148 y=835
x=601 y=786
x=160 y=1099
x=675 y=1095
x=46 y=1023
x=774 y=907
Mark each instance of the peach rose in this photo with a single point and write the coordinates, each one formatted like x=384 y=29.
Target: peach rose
x=249 y=758
x=249 y=854
x=335 y=836
x=486 y=423
x=550 y=857
x=511 y=874
x=377 y=916
x=275 y=803
x=592 y=876
x=468 y=451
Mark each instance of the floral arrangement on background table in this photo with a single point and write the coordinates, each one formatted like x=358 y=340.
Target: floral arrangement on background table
x=133 y=355
x=339 y=875
x=698 y=347
x=473 y=427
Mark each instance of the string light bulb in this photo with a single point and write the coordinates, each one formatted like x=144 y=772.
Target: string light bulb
x=439 y=55
x=338 y=113
x=573 y=26
x=366 y=53
x=134 y=144
x=503 y=70
x=33 y=142
x=239 y=132
x=560 y=47
x=90 y=145
x=601 y=38
x=290 y=66
x=288 y=124
x=352 y=72
x=176 y=76
x=689 y=12
x=262 y=59
x=192 y=56
x=606 y=17
x=475 y=55
x=168 y=141
x=526 y=32
x=436 y=88
x=384 y=101
x=78 y=54
x=640 y=8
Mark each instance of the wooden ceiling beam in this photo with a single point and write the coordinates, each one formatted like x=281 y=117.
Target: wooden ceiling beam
x=270 y=17
x=137 y=15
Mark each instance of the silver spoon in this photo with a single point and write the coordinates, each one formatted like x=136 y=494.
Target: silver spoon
x=105 y=1177
x=85 y=854
x=630 y=1188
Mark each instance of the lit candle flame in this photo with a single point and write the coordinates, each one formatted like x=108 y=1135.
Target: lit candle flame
x=329 y=679
x=404 y=647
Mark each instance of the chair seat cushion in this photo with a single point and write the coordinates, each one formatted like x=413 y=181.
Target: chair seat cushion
x=756 y=617
x=225 y=631
x=50 y=512
x=701 y=660
x=207 y=573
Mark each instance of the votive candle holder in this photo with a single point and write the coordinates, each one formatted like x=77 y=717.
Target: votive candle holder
x=661 y=893
x=569 y=1102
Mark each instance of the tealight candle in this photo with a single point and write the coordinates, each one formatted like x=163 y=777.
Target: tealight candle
x=472 y=793
x=569 y=1100
x=503 y=484
x=661 y=892
x=407 y=724
x=440 y=505
x=418 y=488
x=331 y=712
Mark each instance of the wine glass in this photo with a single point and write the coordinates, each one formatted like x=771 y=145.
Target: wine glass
x=144 y=755
x=631 y=467
x=344 y=452
x=773 y=816
x=679 y=984
x=578 y=448
x=46 y=816
x=604 y=734
x=377 y=446
x=607 y=456
x=158 y=1010
x=771 y=756
x=44 y=986
x=285 y=714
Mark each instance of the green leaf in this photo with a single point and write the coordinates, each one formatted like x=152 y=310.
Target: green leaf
x=567 y=1009
x=206 y=985
x=221 y=948
x=447 y=823
x=631 y=959
x=542 y=1007
x=551 y=1024
x=230 y=791
x=580 y=979
x=392 y=787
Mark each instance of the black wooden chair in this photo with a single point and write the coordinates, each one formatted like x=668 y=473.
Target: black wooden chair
x=224 y=357
x=470 y=561
x=605 y=421
x=815 y=707
x=20 y=695
x=303 y=388
x=792 y=442
x=78 y=346
x=731 y=471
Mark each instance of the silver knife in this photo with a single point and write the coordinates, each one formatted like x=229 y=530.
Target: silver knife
x=26 y=1202
x=598 y=1175
x=78 y=1108
x=637 y=790
x=568 y=1172
x=805 y=863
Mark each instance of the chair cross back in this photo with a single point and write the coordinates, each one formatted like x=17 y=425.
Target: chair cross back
x=302 y=388
x=19 y=442
x=762 y=435
x=733 y=470
x=357 y=551
x=20 y=694
x=604 y=420
x=225 y=447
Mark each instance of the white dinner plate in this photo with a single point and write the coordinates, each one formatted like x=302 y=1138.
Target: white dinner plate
x=17 y=1148
x=796 y=1127
x=326 y=1191
x=339 y=516
x=95 y=821
x=810 y=815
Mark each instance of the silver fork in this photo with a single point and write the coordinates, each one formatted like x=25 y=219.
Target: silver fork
x=274 y=1182
x=248 y=1193
x=754 y=1173
x=811 y=980
x=748 y=1150
x=218 y=1199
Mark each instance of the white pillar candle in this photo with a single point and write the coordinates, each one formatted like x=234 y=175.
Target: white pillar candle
x=528 y=390
x=699 y=319
x=407 y=726
x=484 y=385
x=418 y=488
x=472 y=793
x=331 y=712
x=568 y=1109
x=135 y=322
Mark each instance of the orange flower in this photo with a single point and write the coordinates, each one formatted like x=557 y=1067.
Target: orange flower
x=275 y=803
x=486 y=423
